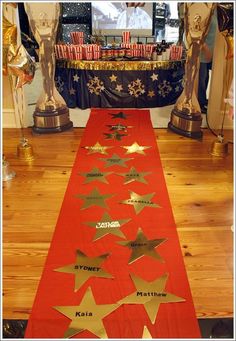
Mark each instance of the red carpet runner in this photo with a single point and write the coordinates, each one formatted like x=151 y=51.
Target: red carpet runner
x=115 y=268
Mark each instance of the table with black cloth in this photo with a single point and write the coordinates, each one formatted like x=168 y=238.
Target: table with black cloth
x=120 y=84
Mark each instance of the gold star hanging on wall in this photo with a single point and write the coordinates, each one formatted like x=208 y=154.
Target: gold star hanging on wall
x=113 y=78
x=107 y=225
x=115 y=160
x=141 y=246
x=151 y=295
x=95 y=174
x=94 y=198
x=97 y=148
x=134 y=175
x=86 y=316
x=84 y=268
x=135 y=148
x=140 y=201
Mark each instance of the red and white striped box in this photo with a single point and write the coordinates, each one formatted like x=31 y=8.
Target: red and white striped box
x=176 y=52
x=125 y=45
x=70 y=52
x=137 y=50
x=126 y=37
x=78 y=51
x=88 y=52
x=147 y=50
x=77 y=37
x=96 y=51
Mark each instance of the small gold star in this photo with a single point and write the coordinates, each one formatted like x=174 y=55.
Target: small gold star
x=72 y=91
x=154 y=77
x=94 y=198
x=113 y=78
x=97 y=148
x=135 y=148
x=76 y=78
x=151 y=93
x=140 y=201
x=119 y=87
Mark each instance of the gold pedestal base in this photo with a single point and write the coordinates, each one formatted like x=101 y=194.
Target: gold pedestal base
x=219 y=149
x=25 y=152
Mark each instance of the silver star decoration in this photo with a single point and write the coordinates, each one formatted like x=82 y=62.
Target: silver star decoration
x=119 y=87
x=76 y=78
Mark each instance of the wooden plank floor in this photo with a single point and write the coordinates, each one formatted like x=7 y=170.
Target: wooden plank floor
x=201 y=193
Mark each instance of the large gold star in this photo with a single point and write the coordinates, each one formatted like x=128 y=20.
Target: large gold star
x=97 y=148
x=151 y=294
x=133 y=175
x=140 y=201
x=95 y=174
x=107 y=225
x=116 y=160
x=94 y=198
x=113 y=78
x=86 y=316
x=141 y=246
x=84 y=268
x=135 y=148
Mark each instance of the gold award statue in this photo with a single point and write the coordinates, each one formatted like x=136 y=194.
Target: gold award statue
x=186 y=116
x=51 y=113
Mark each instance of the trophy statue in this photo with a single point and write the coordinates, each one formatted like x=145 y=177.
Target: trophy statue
x=51 y=113
x=186 y=116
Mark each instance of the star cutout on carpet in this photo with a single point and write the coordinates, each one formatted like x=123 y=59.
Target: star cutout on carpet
x=107 y=225
x=119 y=127
x=146 y=333
x=140 y=201
x=84 y=268
x=95 y=174
x=134 y=175
x=97 y=148
x=120 y=115
x=76 y=78
x=86 y=316
x=135 y=148
x=114 y=136
x=154 y=77
x=151 y=93
x=119 y=87
x=151 y=295
x=141 y=246
x=72 y=91
x=113 y=78
x=94 y=198
x=116 y=160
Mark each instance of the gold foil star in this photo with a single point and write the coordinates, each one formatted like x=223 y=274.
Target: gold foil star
x=86 y=316
x=94 y=198
x=140 y=201
x=107 y=225
x=141 y=246
x=151 y=93
x=76 y=78
x=134 y=175
x=116 y=160
x=146 y=333
x=113 y=78
x=135 y=148
x=151 y=295
x=119 y=87
x=97 y=148
x=95 y=174
x=84 y=268
x=154 y=77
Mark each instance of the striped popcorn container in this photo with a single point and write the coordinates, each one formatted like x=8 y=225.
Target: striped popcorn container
x=176 y=52
x=78 y=51
x=137 y=48
x=70 y=52
x=77 y=37
x=96 y=51
x=88 y=52
x=57 y=52
x=147 y=50
x=126 y=37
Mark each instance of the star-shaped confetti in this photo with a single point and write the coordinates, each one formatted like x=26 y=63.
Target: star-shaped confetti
x=141 y=246
x=95 y=174
x=76 y=78
x=72 y=91
x=120 y=115
x=134 y=175
x=154 y=77
x=94 y=198
x=151 y=93
x=86 y=316
x=140 y=201
x=116 y=160
x=84 y=268
x=113 y=78
x=97 y=148
x=135 y=148
x=107 y=225
x=151 y=295
x=119 y=87
x=114 y=136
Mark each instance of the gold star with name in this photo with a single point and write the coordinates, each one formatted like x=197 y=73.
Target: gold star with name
x=151 y=295
x=141 y=246
x=151 y=93
x=97 y=148
x=115 y=160
x=86 y=316
x=95 y=174
x=84 y=268
x=140 y=201
x=136 y=148
x=119 y=87
x=113 y=78
x=108 y=225
x=134 y=175
x=94 y=198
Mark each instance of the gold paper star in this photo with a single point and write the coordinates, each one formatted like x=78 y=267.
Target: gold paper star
x=133 y=175
x=119 y=87
x=95 y=174
x=113 y=78
x=151 y=294
x=116 y=160
x=135 y=148
x=94 y=198
x=97 y=148
x=86 y=316
x=141 y=246
x=146 y=333
x=140 y=201
x=84 y=268
x=107 y=225
x=154 y=77
x=151 y=93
